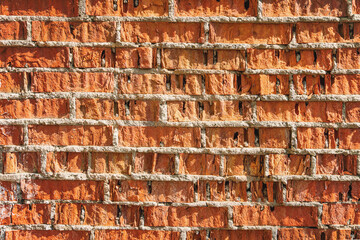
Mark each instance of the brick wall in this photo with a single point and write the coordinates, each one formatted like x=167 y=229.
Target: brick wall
x=179 y=119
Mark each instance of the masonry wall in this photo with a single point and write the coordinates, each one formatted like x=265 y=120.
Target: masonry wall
x=179 y=119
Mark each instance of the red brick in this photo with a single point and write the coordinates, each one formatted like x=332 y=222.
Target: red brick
x=342 y=84
x=11 y=135
x=72 y=82
x=8 y=191
x=138 y=110
x=327 y=32
x=248 y=165
x=61 y=162
x=93 y=57
x=349 y=138
x=66 y=8
x=156 y=137
x=352 y=111
x=336 y=164
x=142 y=57
x=107 y=162
x=212 y=217
x=312 y=84
x=251 y=33
x=238 y=191
x=230 y=234
x=211 y=191
x=11 y=82
x=136 y=235
x=284 y=59
x=62 y=190
x=155 y=191
x=348 y=58
x=275 y=216
x=203 y=59
x=316 y=138
x=34 y=108
x=12 y=30
x=155 y=32
x=300 y=111
x=145 y=8
x=356 y=6
x=21 y=162
x=344 y=214
x=5 y=214
x=160 y=84
x=204 y=8
x=70 y=135
x=154 y=163
x=317 y=191
x=74 y=31
x=46 y=234
x=208 y=111
x=34 y=57
x=289 y=8
x=199 y=164
x=274 y=137
x=226 y=137
x=313 y=234
x=24 y=214
x=266 y=191
x=280 y=164
x=231 y=84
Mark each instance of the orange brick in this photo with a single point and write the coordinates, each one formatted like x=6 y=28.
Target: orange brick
x=280 y=164
x=34 y=108
x=11 y=82
x=344 y=214
x=211 y=191
x=275 y=216
x=313 y=84
x=66 y=8
x=238 y=191
x=145 y=8
x=203 y=59
x=266 y=191
x=289 y=8
x=142 y=57
x=283 y=59
x=199 y=164
x=72 y=82
x=157 y=137
x=154 y=163
x=316 y=138
x=9 y=191
x=349 y=138
x=226 y=137
x=313 y=234
x=135 y=234
x=154 y=191
x=155 y=32
x=93 y=57
x=60 y=162
x=11 y=135
x=46 y=234
x=21 y=162
x=348 y=58
x=12 y=30
x=274 y=137
x=73 y=31
x=300 y=111
x=70 y=135
x=248 y=165
x=336 y=164
x=24 y=214
x=35 y=189
x=251 y=33
x=213 y=217
x=34 y=57
x=209 y=8
x=352 y=111
x=107 y=162
x=230 y=234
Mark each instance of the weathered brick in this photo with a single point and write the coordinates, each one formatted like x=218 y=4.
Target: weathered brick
x=70 y=135
x=352 y=111
x=25 y=214
x=130 y=234
x=62 y=190
x=274 y=137
x=344 y=214
x=12 y=30
x=142 y=57
x=316 y=138
x=73 y=31
x=155 y=32
x=238 y=191
x=213 y=217
x=266 y=191
x=204 y=8
x=319 y=191
x=211 y=191
x=146 y=8
x=203 y=59
x=72 y=82
x=107 y=162
x=348 y=58
x=293 y=59
x=312 y=84
x=34 y=108
x=289 y=8
x=11 y=82
x=22 y=57
x=180 y=111
x=21 y=162
x=93 y=57
x=158 y=137
x=11 y=135
x=160 y=84
x=155 y=191
x=230 y=234
x=313 y=234
x=199 y=164
x=8 y=191
x=60 y=162
x=280 y=164
x=275 y=216
x=248 y=165
x=349 y=138
x=46 y=234
x=251 y=33
x=336 y=164
x=66 y=8
x=154 y=163
x=300 y=111
x=138 y=110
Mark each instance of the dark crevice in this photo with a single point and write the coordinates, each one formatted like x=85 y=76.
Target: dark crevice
x=238 y=82
x=103 y=58
x=149 y=185
x=322 y=84
x=127 y=107
x=184 y=82
x=341 y=29
x=240 y=108
x=257 y=137
x=298 y=56
x=277 y=53
x=351 y=30
x=29 y=81
x=116 y=108
x=168 y=82
x=246 y=4
x=304 y=84
x=277 y=86
x=136 y=3
x=201 y=108
x=215 y=57
x=315 y=57
x=205 y=58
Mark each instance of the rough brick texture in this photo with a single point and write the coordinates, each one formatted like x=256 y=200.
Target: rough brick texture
x=179 y=119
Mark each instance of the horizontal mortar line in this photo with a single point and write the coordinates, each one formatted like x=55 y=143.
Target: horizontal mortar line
x=191 y=124
x=174 y=150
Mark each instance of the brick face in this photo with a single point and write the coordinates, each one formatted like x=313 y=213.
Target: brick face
x=179 y=119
